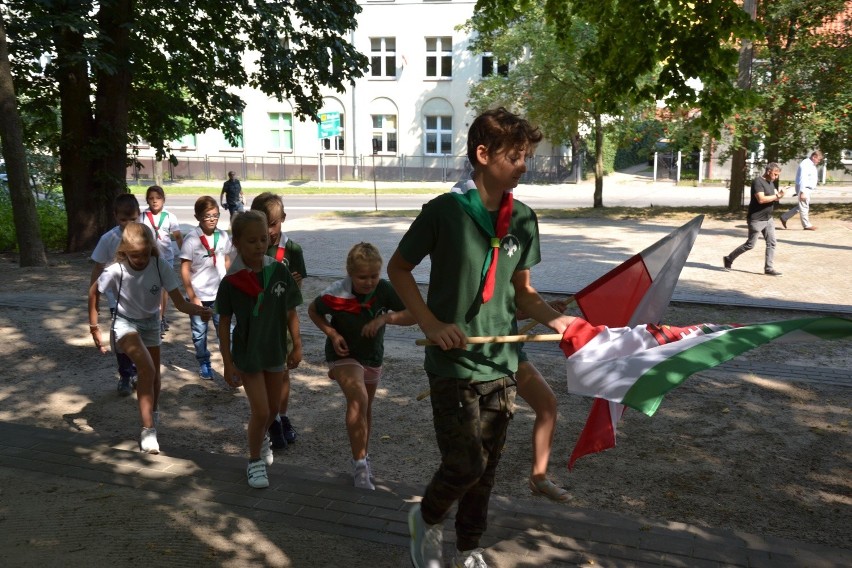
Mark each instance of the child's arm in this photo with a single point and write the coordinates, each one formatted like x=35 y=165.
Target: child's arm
x=96 y=271
x=532 y=305
x=229 y=372
x=337 y=340
x=294 y=357
x=186 y=277
x=94 y=328
x=191 y=309
x=444 y=335
x=178 y=237
x=403 y=317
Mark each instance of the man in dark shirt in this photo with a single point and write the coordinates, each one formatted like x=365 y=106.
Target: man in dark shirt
x=232 y=195
x=763 y=199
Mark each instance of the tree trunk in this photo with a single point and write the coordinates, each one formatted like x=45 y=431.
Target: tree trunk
x=24 y=212
x=93 y=148
x=82 y=205
x=599 y=141
x=738 y=179
x=738 y=158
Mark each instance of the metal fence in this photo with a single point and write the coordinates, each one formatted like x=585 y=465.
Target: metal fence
x=697 y=166
x=341 y=168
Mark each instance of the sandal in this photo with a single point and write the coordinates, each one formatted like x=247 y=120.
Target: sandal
x=549 y=489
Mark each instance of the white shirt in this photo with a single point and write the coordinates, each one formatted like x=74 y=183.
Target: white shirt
x=204 y=274
x=141 y=290
x=168 y=224
x=104 y=253
x=806 y=176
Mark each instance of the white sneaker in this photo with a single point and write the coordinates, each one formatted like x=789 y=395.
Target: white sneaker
x=361 y=475
x=427 y=541
x=256 y=473
x=370 y=467
x=470 y=559
x=266 y=451
x=148 y=441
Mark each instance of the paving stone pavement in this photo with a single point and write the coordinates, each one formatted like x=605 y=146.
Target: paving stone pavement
x=304 y=504
x=194 y=507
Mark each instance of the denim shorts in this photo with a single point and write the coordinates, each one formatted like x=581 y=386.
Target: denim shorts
x=148 y=329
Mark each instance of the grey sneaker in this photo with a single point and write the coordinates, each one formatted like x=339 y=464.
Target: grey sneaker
x=256 y=472
x=469 y=559
x=124 y=387
x=266 y=451
x=148 y=441
x=427 y=541
x=361 y=475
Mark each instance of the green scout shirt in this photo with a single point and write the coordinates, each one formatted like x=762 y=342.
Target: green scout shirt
x=458 y=249
x=294 y=257
x=368 y=351
x=259 y=342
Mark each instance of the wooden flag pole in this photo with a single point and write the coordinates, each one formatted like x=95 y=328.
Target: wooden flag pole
x=502 y=339
x=572 y=301
x=494 y=339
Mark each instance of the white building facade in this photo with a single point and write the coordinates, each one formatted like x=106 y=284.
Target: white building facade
x=411 y=104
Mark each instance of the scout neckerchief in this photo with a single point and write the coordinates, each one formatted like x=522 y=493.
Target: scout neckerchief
x=280 y=251
x=467 y=196
x=157 y=225
x=244 y=279
x=211 y=251
x=339 y=297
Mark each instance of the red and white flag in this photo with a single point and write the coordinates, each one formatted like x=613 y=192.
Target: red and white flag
x=636 y=366
x=636 y=291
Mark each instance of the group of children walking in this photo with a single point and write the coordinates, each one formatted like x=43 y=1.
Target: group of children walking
x=249 y=283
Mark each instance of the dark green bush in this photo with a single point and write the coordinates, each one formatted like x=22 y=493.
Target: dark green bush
x=51 y=216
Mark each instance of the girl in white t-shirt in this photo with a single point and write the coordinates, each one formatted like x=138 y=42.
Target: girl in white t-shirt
x=166 y=229
x=137 y=280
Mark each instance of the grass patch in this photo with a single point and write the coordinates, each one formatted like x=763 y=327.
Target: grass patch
x=284 y=189
x=825 y=210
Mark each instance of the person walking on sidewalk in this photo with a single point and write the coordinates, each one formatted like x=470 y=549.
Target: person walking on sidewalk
x=472 y=386
x=125 y=209
x=806 y=181
x=760 y=221
x=353 y=313
x=232 y=198
x=205 y=258
x=136 y=281
x=289 y=253
x=262 y=296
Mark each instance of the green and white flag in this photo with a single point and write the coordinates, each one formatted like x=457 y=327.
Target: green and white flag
x=636 y=366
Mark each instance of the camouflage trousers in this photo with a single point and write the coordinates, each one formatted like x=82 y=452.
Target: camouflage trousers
x=470 y=420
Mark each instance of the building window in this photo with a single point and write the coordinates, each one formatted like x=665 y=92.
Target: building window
x=186 y=142
x=439 y=57
x=491 y=66
x=334 y=144
x=384 y=132
x=281 y=131
x=226 y=145
x=439 y=135
x=383 y=56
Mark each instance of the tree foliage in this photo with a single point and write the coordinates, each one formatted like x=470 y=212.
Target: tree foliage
x=801 y=77
x=613 y=57
x=120 y=71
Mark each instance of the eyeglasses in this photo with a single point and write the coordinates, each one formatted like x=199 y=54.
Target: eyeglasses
x=210 y=218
